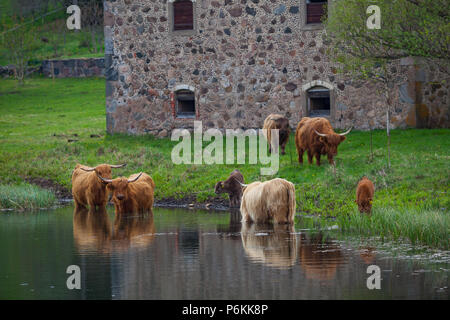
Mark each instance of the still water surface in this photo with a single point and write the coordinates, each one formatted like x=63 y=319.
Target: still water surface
x=185 y=254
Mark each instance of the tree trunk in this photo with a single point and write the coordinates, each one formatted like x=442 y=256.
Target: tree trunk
x=388 y=121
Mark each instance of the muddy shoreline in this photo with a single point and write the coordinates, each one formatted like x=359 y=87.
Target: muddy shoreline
x=64 y=196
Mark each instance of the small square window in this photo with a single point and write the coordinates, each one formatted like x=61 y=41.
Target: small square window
x=183 y=15
x=319 y=102
x=315 y=9
x=185 y=103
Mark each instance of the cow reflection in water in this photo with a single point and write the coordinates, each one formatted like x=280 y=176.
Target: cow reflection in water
x=93 y=232
x=319 y=256
x=367 y=254
x=273 y=245
x=133 y=231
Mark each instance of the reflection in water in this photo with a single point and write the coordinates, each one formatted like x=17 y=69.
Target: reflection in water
x=133 y=231
x=202 y=255
x=91 y=231
x=367 y=254
x=319 y=256
x=233 y=228
x=273 y=245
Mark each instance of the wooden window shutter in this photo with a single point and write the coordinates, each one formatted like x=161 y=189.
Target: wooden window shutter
x=315 y=11
x=183 y=15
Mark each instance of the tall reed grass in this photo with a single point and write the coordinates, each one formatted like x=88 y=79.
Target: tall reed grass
x=25 y=197
x=420 y=225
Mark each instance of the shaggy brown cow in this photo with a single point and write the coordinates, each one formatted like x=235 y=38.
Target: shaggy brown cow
x=88 y=189
x=277 y=121
x=364 y=195
x=132 y=195
x=233 y=187
x=273 y=199
x=317 y=137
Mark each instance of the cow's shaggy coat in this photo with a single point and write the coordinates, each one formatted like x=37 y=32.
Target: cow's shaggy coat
x=277 y=121
x=269 y=200
x=364 y=195
x=132 y=195
x=317 y=137
x=88 y=189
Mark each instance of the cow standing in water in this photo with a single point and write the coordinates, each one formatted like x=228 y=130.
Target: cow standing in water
x=133 y=194
x=268 y=201
x=317 y=137
x=88 y=189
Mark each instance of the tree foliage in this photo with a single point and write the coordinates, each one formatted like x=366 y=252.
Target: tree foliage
x=418 y=28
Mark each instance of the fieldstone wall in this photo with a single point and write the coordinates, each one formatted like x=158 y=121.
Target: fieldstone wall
x=247 y=59
x=432 y=100
x=74 y=68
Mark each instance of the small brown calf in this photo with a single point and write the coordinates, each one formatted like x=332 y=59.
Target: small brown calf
x=233 y=187
x=364 y=195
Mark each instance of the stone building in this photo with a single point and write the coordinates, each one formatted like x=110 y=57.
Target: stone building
x=230 y=63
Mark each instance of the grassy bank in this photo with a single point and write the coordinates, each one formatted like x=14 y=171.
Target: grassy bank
x=418 y=225
x=25 y=197
x=49 y=125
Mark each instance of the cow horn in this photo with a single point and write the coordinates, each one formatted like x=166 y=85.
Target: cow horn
x=133 y=180
x=88 y=169
x=115 y=166
x=103 y=179
x=346 y=132
x=243 y=185
x=320 y=134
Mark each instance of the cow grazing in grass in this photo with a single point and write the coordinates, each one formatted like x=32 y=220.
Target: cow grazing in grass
x=88 y=188
x=277 y=121
x=233 y=187
x=133 y=194
x=364 y=195
x=317 y=137
x=269 y=200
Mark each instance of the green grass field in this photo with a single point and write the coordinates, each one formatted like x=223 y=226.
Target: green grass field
x=48 y=126
x=59 y=42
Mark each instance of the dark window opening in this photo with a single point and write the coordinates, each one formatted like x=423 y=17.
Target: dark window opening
x=185 y=103
x=315 y=9
x=319 y=102
x=183 y=15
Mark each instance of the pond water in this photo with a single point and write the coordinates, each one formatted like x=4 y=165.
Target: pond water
x=186 y=254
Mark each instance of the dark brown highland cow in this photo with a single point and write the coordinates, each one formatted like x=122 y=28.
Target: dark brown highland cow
x=277 y=121
x=364 y=195
x=232 y=186
x=317 y=137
